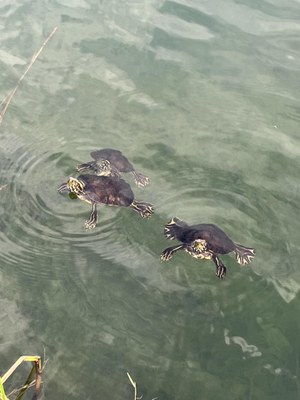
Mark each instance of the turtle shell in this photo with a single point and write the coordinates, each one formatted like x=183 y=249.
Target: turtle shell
x=115 y=157
x=217 y=240
x=106 y=190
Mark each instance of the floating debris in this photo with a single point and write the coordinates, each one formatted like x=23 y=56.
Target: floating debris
x=6 y=101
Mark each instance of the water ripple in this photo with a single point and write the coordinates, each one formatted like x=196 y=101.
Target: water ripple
x=36 y=220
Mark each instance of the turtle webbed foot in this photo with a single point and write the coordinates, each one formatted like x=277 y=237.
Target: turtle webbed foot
x=144 y=209
x=244 y=254
x=220 y=267
x=140 y=179
x=168 y=253
x=221 y=271
x=92 y=221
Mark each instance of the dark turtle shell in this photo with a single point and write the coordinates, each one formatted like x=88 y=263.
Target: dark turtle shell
x=115 y=157
x=110 y=162
x=216 y=239
x=106 y=190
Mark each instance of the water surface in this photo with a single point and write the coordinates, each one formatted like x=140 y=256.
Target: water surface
x=203 y=97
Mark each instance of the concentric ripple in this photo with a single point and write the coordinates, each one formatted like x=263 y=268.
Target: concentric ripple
x=37 y=223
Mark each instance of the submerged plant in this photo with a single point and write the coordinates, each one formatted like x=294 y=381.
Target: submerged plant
x=36 y=370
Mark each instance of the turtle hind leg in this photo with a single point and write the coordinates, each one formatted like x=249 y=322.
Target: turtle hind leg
x=85 y=166
x=168 y=253
x=144 y=209
x=92 y=221
x=220 y=267
x=140 y=179
x=243 y=254
x=174 y=228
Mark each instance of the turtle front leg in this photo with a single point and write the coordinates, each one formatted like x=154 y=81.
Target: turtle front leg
x=220 y=267
x=114 y=172
x=88 y=165
x=63 y=188
x=170 y=251
x=92 y=221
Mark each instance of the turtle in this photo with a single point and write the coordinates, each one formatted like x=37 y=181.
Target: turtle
x=110 y=162
x=204 y=241
x=104 y=190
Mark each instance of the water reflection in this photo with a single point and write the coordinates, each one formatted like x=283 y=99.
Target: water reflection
x=202 y=97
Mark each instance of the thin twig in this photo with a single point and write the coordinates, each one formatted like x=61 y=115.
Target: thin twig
x=134 y=385
x=25 y=387
x=8 y=98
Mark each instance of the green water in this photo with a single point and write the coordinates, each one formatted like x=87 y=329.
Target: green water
x=203 y=97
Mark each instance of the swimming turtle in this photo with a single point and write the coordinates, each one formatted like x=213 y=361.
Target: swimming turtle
x=110 y=162
x=204 y=241
x=104 y=190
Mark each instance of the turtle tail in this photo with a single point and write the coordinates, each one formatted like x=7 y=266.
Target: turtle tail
x=243 y=254
x=140 y=179
x=174 y=228
x=144 y=209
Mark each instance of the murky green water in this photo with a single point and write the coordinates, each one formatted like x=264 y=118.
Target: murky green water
x=202 y=96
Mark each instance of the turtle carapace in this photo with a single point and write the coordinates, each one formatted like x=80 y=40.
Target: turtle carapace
x=110 y=162
x=204 y=241
x=104 y=190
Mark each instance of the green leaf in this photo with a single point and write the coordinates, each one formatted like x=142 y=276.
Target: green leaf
x=2 y=392
x=73 y=196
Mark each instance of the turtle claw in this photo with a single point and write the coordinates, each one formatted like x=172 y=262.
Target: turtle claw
x=90 y=224
x=220 y=267
x=221 y=271
x=92 y=221
x=140 y=179
x=166 y=254
x=144 y=209
x=169 y=252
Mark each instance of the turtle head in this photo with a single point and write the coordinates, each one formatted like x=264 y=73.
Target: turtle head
x=104 y=168
x=199 y=245
x=75 y=185
x=198 y=249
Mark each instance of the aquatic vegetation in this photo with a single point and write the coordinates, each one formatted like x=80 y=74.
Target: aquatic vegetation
x=134 y=385
x=36 y=370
